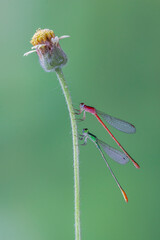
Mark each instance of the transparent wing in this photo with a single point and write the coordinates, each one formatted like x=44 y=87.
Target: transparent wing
x=113 y=153
x=118 y=123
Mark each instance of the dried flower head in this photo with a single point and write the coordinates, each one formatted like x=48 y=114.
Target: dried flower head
x=46 y=44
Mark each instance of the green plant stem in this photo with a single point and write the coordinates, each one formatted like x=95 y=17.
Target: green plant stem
x=75 y=151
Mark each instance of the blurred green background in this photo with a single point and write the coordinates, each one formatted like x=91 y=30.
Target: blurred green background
x=114 y=65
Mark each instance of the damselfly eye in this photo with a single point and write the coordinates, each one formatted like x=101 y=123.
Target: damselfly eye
x=85 y=130
x=81 y=105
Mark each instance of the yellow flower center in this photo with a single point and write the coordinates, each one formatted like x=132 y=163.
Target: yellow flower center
x=41 y=36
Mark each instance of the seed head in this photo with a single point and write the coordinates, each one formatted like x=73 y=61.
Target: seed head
x=41 y=36
x=46 y=44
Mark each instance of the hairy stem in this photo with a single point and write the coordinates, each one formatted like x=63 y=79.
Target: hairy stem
x=75 y=151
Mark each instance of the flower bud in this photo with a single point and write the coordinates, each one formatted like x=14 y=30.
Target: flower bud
x=46 y=44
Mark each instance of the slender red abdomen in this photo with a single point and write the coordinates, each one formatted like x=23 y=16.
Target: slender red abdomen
x=90 y=109
x=134 y=163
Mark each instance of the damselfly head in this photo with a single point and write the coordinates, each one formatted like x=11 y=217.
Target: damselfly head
x=85 y=131
x=81 y=106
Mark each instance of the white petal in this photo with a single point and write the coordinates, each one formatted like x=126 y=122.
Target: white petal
x=38 y=46
x=27 y=53
x=64 y=36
